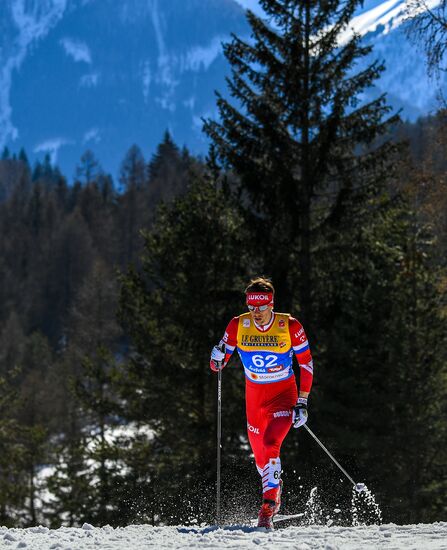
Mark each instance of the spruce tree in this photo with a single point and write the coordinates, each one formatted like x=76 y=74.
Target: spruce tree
x=23 y=157
x=89 y=168
x=71 y=493
x=96 y=400
x=71 y=260
x=133 y=169
x=168 y=170
x=13 y=481
x=133 y=179
x=296 y=133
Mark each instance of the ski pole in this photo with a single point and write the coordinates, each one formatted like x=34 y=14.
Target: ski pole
x=219 y=436
x=359 y=487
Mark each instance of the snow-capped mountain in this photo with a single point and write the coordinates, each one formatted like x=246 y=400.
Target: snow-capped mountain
x=102 y=74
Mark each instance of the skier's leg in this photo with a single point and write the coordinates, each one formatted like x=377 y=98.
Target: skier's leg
x=275 y=432
x=257 y=418
x=279 y=421
x=256 y=424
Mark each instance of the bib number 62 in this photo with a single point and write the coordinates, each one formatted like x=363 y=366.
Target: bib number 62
x=267 y=361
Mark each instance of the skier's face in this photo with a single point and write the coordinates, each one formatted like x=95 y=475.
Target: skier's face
x=261 y=317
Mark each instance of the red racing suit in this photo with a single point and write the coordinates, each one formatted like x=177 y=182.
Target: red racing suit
x=271 y=393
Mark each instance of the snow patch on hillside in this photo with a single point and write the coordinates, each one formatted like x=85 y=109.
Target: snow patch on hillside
x=92 y=135
x=35 y=19
x=171 y=65
x=52 y=146
x=252 y=5
x=387 y=17
x=164 y=76
x=89 y=80
x=146 y=79
x=381 y=14
x=32 y=21
x=76 y=49
x=201 y=57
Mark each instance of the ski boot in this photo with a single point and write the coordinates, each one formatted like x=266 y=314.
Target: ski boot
x=265 y=516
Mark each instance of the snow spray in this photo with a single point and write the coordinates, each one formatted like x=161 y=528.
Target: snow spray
x=364 y=507
x=313 y=512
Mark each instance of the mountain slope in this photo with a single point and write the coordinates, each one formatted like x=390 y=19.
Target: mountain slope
x=91 y=74
x=99 y=74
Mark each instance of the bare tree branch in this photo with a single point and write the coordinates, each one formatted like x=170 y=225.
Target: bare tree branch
x=427 y=28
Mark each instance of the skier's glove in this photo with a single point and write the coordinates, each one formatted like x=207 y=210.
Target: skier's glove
x=217 y=357
x=299 y=415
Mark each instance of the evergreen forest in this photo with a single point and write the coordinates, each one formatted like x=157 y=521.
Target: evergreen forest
x=113 y=293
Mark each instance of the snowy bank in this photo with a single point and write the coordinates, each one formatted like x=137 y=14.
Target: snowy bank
x=136 y=537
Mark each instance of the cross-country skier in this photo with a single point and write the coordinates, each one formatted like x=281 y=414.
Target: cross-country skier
x=266 y=341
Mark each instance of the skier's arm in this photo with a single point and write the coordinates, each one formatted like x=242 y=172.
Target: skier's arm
x=228 y=343
x=300 y=346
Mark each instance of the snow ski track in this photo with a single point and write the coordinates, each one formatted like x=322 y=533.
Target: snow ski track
x=139 y=537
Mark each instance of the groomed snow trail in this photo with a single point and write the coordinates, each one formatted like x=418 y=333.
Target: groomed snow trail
x=139 y=537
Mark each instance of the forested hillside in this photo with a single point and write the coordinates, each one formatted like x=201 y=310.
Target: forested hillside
x=71 y=362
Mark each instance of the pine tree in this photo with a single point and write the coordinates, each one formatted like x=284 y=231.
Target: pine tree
x=37 y=171
x=133 y=180
x=297 y=135
x=91 y=322
x=12 y=344
x=33 y=411
x=34 y=441
x=96 y=204
x=95 y=394
x=88 y=169
x=133 y=169
x=71 y=260
x=23 y=157
x=14 y=175
x=13 y=483
x=71 y=484
x=168 y=170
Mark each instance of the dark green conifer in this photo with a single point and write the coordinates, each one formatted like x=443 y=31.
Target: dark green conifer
x=24 y=158
x=167 y=171
x=295 y=133
x=13 y=481
x=88 y=169
x=71 y=483
x=133 y=169
x=133 y=213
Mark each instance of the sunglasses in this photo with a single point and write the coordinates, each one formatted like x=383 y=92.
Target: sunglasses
x=257 y=308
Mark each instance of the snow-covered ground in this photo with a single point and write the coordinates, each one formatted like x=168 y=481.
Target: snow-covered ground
x=139 y=537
